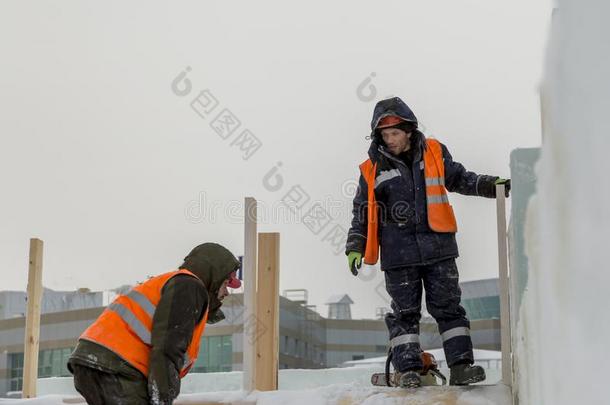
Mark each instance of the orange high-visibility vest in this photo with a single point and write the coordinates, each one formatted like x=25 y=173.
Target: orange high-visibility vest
x=125 y=326
x=440 y=213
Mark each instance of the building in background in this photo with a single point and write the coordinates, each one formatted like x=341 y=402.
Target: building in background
x=13 y=303
x=481 y=299
x=339 y=307
x=307 y=339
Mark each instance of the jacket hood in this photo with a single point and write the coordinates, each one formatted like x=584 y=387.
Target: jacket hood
x=212 y=264
x=391 y=106
x=394 y=106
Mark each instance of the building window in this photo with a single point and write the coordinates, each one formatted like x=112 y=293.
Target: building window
x=51 y=363
x=358 y=357
x=284 y=345
x=215 y=354
x=15 y=363
x=291 y=347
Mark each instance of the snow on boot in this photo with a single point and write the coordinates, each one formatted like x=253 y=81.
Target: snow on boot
x=408 y=379
x=464 y=374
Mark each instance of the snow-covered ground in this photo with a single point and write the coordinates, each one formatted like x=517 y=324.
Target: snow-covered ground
x=289 y=379
x=342 y=386
x=339 y=394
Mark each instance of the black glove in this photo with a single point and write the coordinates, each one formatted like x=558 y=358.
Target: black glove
x=506 y=183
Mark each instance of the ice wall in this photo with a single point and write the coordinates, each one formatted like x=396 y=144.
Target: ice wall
x=523 y=177
x=564 y=327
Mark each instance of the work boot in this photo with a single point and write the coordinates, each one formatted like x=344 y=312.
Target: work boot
x=464 y=374
x=408 y=379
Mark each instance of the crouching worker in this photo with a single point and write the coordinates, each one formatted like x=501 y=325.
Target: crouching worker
x=145 y=341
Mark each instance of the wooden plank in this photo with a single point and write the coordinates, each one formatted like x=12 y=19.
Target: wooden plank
x=32 y=320
x=504 y=287
x=249 y=275
x=266 y=328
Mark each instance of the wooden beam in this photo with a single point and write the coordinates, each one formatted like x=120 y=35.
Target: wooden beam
x=267 y=325
x=32 y=320
x=249 y=275
x=504 y=287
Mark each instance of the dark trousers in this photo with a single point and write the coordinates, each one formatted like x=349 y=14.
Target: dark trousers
x=441 y=282
x=125 y=387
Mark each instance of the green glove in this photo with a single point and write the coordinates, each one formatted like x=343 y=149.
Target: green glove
x=506 y=183
x=354 y=259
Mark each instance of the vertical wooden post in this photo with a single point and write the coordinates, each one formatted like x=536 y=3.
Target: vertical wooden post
x=32 y=320
x=249 y=274
x=268 y=311
x=504 y=287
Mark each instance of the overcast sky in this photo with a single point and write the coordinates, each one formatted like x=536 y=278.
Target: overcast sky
x=121 y=172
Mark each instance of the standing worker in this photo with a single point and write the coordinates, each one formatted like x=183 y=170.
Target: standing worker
x=402 y=206
x=145 y=341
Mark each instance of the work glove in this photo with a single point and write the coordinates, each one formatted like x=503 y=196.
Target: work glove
x=506 y=183
x=354 y=259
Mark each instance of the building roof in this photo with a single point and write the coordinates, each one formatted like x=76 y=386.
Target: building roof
x=339 y=299
x=480 y=288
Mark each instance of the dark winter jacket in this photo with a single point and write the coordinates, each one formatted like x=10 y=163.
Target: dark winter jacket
x=400 y=190
x=183 y=303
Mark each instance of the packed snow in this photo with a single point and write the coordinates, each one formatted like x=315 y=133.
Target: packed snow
x=340 y=394
x=342 y=386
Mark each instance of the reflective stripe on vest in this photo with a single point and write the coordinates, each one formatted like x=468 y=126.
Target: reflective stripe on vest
x=142 y=301
x=435 y=181
x=437 y=199
x=440 y=213
x=125 y=327
x=132 y=321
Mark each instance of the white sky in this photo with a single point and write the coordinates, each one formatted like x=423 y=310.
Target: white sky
x=101 y=160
